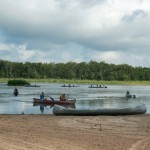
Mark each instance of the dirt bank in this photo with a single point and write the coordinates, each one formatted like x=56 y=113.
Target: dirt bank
x=48 y=132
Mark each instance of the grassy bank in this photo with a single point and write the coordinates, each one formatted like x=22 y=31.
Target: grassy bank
x=73 y=81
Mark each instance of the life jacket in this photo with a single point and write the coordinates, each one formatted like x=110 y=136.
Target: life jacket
x=62 y=98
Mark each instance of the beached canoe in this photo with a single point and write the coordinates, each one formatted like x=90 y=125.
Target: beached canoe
x=140 y=109
x=53 y=102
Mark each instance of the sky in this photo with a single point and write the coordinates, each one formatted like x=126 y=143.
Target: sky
x=113 y=31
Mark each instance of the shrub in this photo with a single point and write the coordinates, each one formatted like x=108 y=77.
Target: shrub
x=17 y=83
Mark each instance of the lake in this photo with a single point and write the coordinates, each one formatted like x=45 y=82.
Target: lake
x=112 y=96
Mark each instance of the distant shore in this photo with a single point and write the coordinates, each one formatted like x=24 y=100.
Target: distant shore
x=74 y=81
x=48 y=132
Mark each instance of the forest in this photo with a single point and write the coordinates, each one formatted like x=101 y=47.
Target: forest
x=71 y=70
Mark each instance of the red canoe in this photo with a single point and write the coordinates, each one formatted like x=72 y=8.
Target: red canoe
x=52 y=102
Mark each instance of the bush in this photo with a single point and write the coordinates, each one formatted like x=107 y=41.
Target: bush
x=17 y=82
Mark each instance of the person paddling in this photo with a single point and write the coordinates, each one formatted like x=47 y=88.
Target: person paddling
x=63 y=97
x=42 y=96
x=16 y=92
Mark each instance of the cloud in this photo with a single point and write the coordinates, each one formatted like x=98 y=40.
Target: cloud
x=68 y=30
x=136 y=14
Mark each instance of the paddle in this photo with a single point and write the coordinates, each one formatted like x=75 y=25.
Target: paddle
x=51 y=98
x=51 y=106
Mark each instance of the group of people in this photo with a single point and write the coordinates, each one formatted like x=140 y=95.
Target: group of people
x=62 y=97
x=42 y=96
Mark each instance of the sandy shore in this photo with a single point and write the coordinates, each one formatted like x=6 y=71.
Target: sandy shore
x=48 y=132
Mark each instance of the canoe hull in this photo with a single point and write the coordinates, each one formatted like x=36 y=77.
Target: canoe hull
x=31 y=86
x=53 y=102
x=69 y=86
x=97 y=87
x=140 y=109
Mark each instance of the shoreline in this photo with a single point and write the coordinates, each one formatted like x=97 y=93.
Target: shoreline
x=44 y=131
x=77 y=81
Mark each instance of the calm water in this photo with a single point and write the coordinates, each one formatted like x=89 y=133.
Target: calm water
x=113 y=96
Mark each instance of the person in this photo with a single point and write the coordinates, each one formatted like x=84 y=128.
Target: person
x=42 y=96
x=16 y=92
x=128 y=95
x=63 y=97
x=134 y=96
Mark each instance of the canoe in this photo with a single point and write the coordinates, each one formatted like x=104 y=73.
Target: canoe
x=129 y=96
x=32 y=86
x=97 y=86
x=53 y=102
x=69 y=86
x=139 y=109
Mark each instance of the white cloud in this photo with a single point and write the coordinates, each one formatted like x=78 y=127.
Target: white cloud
x=66 y=30
x=25 y=54
x=3 y=47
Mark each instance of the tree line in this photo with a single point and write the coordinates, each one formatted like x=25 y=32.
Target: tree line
x=71 y=70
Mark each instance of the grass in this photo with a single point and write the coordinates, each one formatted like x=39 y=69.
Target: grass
x=74 y=81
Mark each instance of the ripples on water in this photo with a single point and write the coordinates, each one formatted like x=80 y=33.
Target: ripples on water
x=110 y=97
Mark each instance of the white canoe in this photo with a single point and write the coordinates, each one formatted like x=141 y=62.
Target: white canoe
x=139 y=109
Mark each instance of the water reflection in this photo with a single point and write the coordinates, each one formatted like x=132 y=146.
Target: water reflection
x=110 y=102
x=43 y=106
